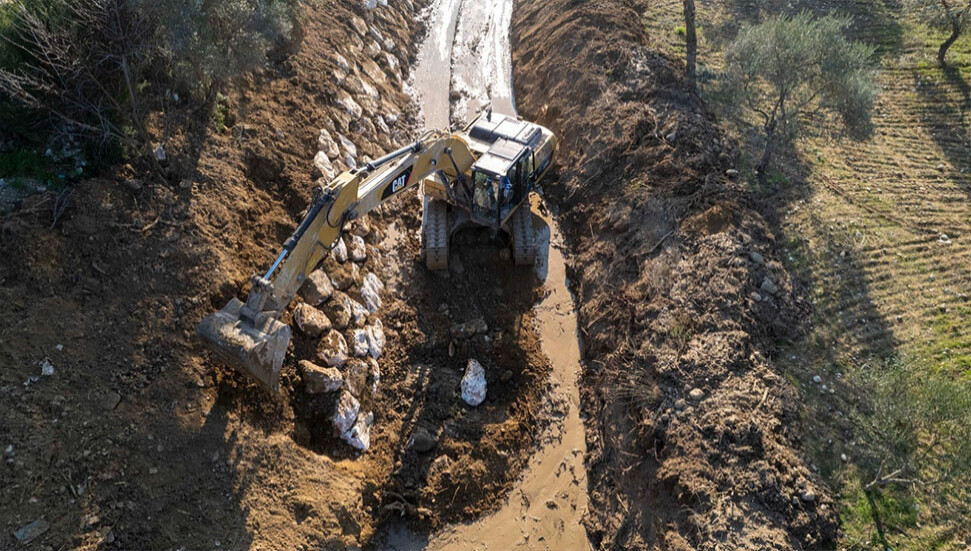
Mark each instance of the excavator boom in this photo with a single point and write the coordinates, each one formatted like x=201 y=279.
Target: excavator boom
x=250 y=336
x=484 y=174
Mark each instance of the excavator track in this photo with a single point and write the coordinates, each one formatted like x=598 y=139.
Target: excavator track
x=434 y=233
x=523 y=236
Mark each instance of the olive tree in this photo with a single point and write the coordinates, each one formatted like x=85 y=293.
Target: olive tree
x=787 y=67
x=207 y=42
x=952 y=15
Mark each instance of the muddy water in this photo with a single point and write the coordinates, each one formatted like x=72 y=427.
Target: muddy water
x=545 y=508
x=433 y=73
x=481 y=60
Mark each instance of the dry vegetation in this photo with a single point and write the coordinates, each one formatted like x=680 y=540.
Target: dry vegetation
x=877 y=228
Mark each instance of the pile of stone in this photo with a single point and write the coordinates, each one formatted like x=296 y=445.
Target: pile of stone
x=350 y=335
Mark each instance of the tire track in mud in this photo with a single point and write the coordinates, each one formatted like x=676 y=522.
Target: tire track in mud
x=545 y=507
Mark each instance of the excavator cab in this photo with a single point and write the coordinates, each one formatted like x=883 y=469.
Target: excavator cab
x=502 y=179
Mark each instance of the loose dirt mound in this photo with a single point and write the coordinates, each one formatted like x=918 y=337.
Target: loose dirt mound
x=137 y=440
x=692 y=433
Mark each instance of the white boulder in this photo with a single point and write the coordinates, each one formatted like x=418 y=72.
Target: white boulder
x=371 y=292
x=327 y=145
x=359 y=342
x=320 y=379
x=323 y=167
x=375 y=339
x=359 y=436
x=347 y=145
x=357 y=250
x=340 y=251
x=359 y=313
x=349 y=106
x=474 y=383
x=317 y=288
x=332 y=349
x=374 y=373
x=346 y=414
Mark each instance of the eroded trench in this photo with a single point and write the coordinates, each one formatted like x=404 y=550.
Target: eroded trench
x=546 y=504
x=515 y=463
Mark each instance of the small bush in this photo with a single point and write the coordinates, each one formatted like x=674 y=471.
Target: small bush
x=913 y=435
x=207 y=42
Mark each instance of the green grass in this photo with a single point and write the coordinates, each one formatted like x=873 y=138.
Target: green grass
x=897 y=512
x=25 y=163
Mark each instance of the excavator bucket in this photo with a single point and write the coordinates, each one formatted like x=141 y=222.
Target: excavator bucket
x=254 y=347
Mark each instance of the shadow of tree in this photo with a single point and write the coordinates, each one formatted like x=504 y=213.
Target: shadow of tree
x=946 y=113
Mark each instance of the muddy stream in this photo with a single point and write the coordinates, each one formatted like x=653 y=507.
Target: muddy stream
x=465 y=64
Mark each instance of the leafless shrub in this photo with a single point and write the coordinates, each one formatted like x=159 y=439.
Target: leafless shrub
x=83 y=73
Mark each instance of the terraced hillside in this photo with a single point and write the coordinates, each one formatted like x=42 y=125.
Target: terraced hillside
x=878 y=228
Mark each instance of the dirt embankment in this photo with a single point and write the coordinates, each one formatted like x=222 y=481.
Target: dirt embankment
x=138 y=440
x=693 y=435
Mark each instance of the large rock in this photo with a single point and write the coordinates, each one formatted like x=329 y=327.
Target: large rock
x=379 y=120
x=327 y=145
x=359 y=25
x=474 y=383
x=361 y=227
x=422 y=441
x=359 y=436
x=340 y=250
x=359 y=313
x=341 y=62
x=340 y=308
x=769 y=286
x=320 y=379
x=374 y=373
x=347 y=145
x=371 y=292
x=323 y=168
x=349 y=106
x=332 y=349
x=310 y=320
x=375 y=339
x=355 y=376
x=346 y=275
x=317 y=288
x=359 y=342
x=346 y=414
x=357 y=250
x=477 y=326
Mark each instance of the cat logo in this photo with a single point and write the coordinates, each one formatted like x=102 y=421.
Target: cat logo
x=399 y=183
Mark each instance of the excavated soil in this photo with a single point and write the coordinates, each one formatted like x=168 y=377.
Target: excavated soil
x=138 y=440
x=692 y=432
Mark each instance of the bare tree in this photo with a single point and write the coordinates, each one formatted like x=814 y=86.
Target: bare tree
x=83 y=74
x=789 y=66
x=691 y=43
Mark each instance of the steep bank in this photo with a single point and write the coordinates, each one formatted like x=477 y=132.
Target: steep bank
x=137 y=440
x=692 y=434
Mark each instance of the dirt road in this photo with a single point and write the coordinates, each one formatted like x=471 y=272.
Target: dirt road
x=545 y=507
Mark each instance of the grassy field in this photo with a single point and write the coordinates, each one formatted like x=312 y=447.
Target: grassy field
x=879 y=229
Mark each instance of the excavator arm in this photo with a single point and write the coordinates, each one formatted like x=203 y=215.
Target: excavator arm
x=250 y=336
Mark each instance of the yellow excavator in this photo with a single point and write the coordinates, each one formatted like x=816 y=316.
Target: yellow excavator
x=479 y=176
